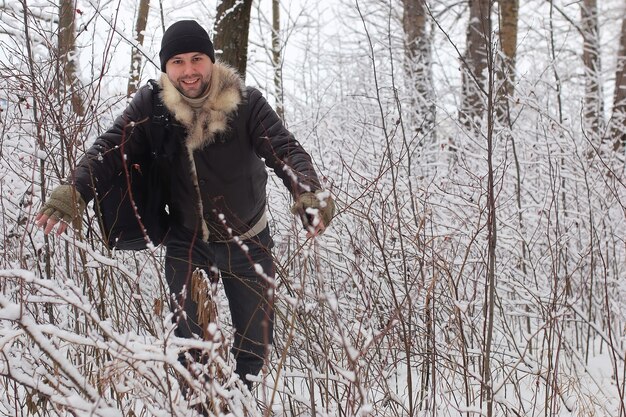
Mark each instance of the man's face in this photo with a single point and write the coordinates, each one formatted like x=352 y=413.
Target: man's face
x=190 y=73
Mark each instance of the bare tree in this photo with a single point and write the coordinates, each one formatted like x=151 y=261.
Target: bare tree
x=475 y=62
x=135 y=62
x=231 y=27
x=593 y=110
x=508 y=28
x=67 y=53
x=491 y=288
x=417 y=61
x=509 y=10
x=618 y=121
x=277 y=60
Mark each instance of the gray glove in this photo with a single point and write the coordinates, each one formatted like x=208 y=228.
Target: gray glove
x=66 y=204
x=323 y=203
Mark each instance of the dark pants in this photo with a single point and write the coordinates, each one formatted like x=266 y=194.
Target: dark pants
x=247 y=291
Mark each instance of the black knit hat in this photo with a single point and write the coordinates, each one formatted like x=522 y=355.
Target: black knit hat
x=182 y=37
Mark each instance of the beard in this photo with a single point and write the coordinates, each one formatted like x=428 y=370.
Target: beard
x=192 y=91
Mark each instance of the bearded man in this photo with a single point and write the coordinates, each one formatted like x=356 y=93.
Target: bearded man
x=223 y=135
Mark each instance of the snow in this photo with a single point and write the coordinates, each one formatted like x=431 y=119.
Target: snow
x=386 y=310
x=8 y=311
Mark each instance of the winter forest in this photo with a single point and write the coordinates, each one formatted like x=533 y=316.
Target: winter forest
x=476 y=265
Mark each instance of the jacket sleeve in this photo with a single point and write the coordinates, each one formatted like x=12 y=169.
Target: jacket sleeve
x=280 y=149
x=124 y=141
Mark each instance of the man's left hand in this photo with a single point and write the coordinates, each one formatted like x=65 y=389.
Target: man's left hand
x=316 y=210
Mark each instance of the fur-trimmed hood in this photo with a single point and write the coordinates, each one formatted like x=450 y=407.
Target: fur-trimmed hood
x=225 y=94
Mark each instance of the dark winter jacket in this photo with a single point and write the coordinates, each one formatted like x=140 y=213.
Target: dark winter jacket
x=217 y=178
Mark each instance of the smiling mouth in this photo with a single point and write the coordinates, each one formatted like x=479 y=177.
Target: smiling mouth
x=190 y=82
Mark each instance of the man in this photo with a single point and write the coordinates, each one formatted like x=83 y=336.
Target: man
x=224 y=135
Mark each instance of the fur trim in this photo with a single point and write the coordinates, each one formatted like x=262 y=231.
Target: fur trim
x=204 y=124
x=225 y=93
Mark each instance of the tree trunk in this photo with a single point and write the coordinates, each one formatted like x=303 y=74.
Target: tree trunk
x=593 y=119
x=232 y=24
x=618 y=120
x=509 y=10
x=509 y=17
x=67 y=54
x=136 y=55
x=418 y=62
x=276 y=59
x=475 y=63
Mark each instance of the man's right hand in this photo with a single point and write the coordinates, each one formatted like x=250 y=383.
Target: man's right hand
x=65 y=205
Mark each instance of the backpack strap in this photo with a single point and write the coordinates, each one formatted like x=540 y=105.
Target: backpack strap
x=162 y=146
x=160 y=115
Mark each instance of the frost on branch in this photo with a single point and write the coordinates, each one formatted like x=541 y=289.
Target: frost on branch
x=67 y=360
